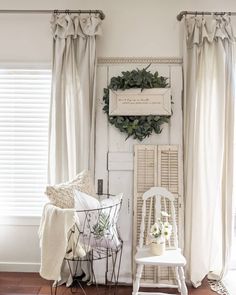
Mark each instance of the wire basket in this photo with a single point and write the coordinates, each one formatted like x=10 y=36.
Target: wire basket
x=95 y=233
x=95 y=236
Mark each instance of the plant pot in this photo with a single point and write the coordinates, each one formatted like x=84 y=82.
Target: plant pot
x=157 y=248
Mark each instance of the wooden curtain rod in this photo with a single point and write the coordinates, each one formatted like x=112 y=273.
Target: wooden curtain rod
x=182 y=13
x=100 y=12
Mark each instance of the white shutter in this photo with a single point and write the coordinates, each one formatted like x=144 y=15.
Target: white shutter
x=156 y=166
x=145 y=176
x=170 y=176
x=24 y=116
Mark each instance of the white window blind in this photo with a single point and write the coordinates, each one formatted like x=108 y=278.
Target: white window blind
x=24 y=112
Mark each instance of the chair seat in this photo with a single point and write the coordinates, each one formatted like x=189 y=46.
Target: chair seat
x=169 y=258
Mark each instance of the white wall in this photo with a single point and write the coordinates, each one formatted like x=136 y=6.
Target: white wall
x=131 y=28
x=19 y=245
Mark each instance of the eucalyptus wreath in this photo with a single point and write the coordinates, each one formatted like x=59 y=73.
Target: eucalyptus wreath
x=139 y=127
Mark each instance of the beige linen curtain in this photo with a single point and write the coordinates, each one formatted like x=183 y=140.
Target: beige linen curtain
x=72 y=114
x=209 y=74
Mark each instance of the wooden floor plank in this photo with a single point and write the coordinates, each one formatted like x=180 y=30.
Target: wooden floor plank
x=32 y=284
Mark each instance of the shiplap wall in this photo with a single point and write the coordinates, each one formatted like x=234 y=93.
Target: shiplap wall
x=114 y=154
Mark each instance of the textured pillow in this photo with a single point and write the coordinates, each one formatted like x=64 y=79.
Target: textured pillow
x=62 y=195
x=83 y=182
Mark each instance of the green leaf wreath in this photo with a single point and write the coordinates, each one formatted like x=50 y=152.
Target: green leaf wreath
x=139 y=127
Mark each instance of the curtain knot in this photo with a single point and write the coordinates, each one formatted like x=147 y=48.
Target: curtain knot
x=64 y=25
x=200 y=28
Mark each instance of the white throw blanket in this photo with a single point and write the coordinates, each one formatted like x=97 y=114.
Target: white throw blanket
x=53 y=231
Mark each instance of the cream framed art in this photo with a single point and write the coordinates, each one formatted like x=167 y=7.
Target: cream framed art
x=140 y=102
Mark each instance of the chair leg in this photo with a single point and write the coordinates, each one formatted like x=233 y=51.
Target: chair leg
x=184 y=290
x=137 y=279
x=178 y=279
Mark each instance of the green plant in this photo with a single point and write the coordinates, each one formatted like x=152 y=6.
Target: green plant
x=102 y=225
x=139 y=127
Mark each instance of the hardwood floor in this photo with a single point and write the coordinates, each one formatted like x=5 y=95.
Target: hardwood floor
x=32 y=284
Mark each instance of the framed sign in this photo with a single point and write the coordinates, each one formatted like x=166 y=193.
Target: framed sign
x=134 y=102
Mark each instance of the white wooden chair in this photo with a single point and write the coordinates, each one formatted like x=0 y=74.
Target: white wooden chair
x=172 y=257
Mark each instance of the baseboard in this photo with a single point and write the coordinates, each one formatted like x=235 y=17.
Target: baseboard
x=19 y=267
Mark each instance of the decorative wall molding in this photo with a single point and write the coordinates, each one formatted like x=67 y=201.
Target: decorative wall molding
x=139 y=60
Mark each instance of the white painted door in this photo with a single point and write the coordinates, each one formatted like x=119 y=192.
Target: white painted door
x=114 y=154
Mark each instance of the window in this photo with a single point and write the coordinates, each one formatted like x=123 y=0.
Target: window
x=24 y=115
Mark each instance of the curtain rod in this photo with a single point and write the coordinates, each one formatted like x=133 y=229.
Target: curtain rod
x=100 y=12
x=182 y=13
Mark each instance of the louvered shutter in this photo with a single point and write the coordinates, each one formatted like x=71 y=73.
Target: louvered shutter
x=170 y=177
x=164 y=169
x=24 y=112
x=145 y=176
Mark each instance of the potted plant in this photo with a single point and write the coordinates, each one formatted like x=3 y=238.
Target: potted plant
x=160 y=232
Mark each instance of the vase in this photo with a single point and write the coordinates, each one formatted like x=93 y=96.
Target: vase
x=157 y=248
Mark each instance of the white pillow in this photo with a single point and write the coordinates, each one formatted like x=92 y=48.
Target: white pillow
x=83 y=204
x=99 y=226
x=84 y=201
x=111 y=207
x=62 y=195
x=111 y=200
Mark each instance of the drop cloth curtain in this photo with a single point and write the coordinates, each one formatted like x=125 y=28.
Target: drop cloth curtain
x=72 y=114
x=209 y=75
